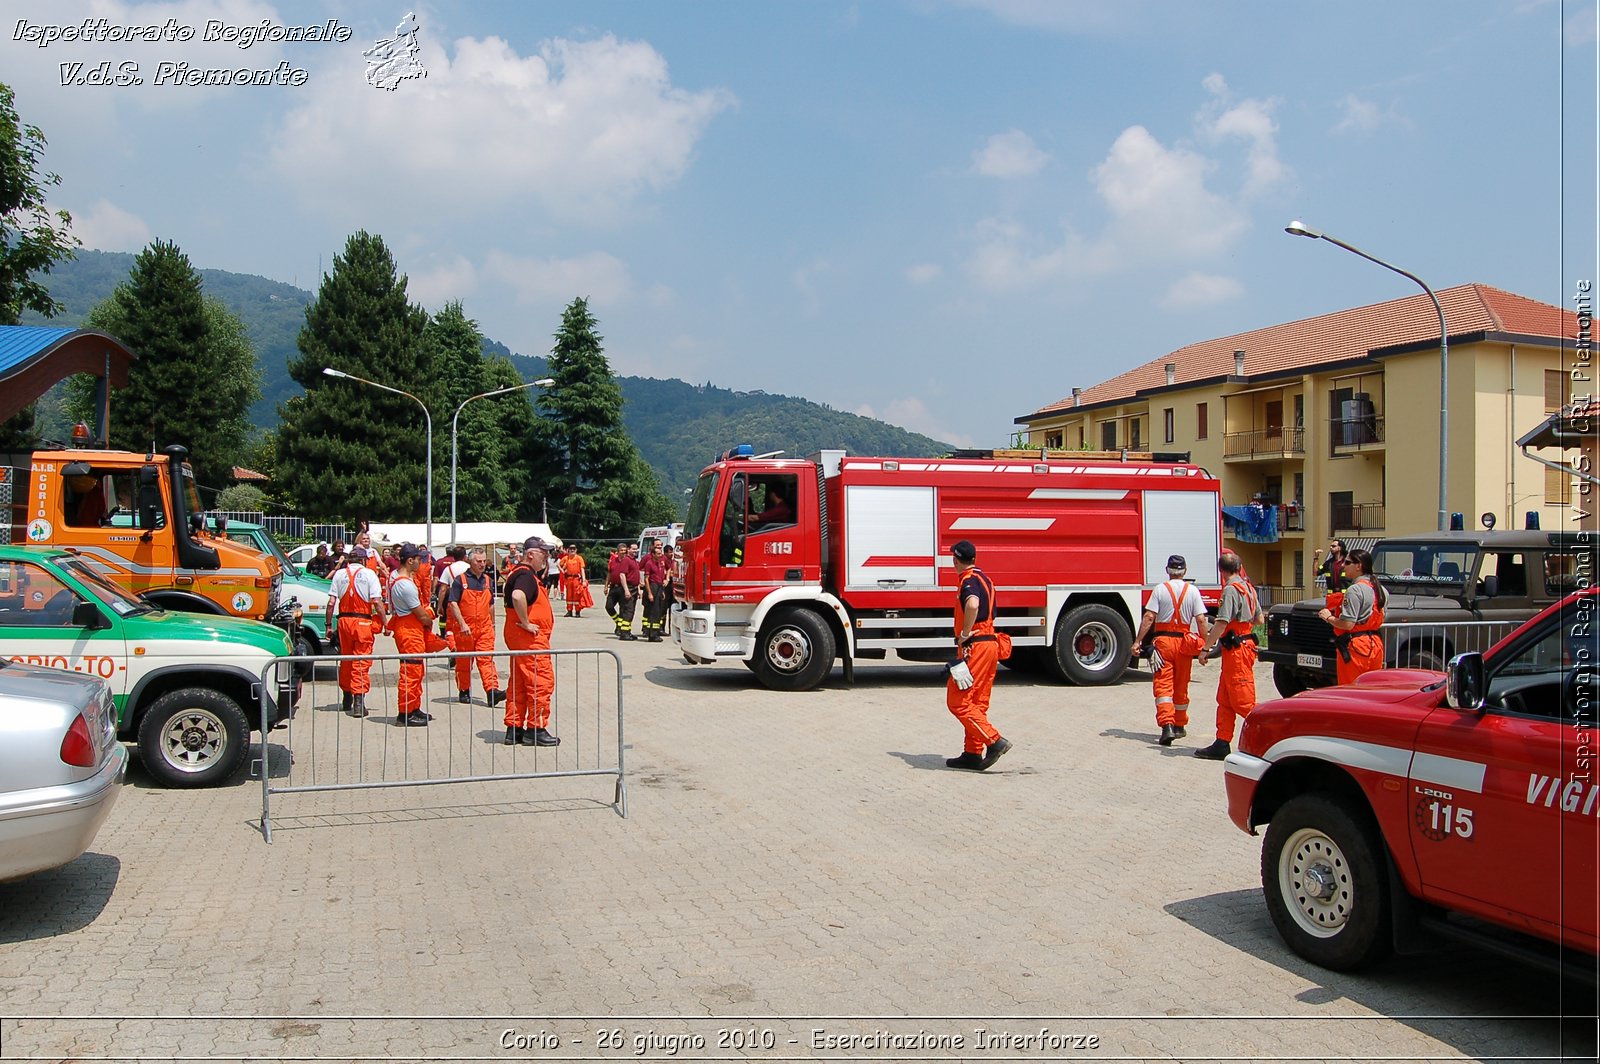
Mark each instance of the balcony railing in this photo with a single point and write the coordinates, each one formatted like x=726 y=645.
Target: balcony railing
x=1357 y=518
x=1274 y=594
x=1354 y=433
x=1280 y=442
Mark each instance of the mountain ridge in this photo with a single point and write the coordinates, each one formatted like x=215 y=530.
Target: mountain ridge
x=677 y=426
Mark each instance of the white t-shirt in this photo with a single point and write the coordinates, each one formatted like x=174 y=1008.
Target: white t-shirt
x=367 y=585
x=448 y=574
x=403 y=593
x=1190 y=605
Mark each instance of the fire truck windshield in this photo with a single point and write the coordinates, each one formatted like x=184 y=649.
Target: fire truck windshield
x=700 y=505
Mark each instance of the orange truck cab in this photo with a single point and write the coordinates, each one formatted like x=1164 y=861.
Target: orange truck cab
x=134 y=518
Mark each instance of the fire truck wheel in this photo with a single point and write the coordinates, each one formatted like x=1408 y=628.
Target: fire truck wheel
x=1092 y=646
x=795 y=651
x=1322 y=871
x=193 y=737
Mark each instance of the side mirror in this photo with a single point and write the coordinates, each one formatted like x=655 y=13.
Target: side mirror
x=88 y=615
x=1463 y=683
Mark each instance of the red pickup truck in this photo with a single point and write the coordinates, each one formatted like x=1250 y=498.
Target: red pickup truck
x=1411 y=805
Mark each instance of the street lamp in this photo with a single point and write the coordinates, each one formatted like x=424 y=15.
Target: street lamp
x=1299 y=228
x=542 y=382
x=331 y=372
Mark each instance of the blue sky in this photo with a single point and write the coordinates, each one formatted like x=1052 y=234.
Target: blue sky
x=942 y=213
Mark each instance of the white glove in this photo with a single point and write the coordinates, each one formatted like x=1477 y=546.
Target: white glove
x=961 y=675
x=1156 y=660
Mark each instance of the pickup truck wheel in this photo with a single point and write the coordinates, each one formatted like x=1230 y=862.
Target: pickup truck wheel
x=1288 y=680
x=1092 y=646
x=193 y=737
x=795 y=651
x=1323 y=875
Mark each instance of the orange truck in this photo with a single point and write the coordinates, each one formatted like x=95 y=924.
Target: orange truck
x=136 y=519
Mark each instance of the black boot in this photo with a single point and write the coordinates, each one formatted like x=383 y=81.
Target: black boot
x=996 y=751
x=541 y=737
x=358 y=706
x=464 y=696
x=512 y=735
x=525 y=737
x=345 y=701
x=1215 y=752
x=496 y=697
x=1168 y=733
x=1180 y=731
x=966 y=760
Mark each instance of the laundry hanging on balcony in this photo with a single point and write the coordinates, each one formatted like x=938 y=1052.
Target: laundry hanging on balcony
x=1251 y=524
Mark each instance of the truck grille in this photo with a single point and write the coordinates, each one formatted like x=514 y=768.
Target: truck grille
x=1306 y=631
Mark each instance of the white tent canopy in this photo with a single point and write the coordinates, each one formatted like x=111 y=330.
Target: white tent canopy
x=469 y=533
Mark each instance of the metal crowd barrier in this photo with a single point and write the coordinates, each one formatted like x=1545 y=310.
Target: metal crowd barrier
x=1431 y=644
x=326 y=749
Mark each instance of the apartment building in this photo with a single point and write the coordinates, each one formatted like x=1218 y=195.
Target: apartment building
x=1333 y=422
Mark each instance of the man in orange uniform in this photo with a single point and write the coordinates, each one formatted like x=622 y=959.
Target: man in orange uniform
x=356 y=593
x=1360 y=647
x=1169 y=623
x=972 y=677
x=470 y=602
x=1237 y=616
x=575 y=582
x=529 y=620
x=413 y=634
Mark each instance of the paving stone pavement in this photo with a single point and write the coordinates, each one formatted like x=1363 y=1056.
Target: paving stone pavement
x=798 y=877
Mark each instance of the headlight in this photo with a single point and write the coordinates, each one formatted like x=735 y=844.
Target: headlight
x=1283 y=626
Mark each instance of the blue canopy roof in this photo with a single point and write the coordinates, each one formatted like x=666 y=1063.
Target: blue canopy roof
x=34 y=357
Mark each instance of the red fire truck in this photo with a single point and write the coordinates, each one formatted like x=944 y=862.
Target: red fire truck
x=786 y=564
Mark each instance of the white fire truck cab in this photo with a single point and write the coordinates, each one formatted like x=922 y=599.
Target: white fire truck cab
x=786 y=564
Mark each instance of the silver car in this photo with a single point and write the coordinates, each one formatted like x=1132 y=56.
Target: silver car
x=61 y=765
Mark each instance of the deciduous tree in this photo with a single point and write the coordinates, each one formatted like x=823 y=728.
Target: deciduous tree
x=33 y=238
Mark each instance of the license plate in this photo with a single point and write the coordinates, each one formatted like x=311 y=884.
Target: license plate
x=1310 y=661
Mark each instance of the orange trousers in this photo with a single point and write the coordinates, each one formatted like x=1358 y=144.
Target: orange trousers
x=532 y=681
x=1236 y=690
x=971 y=707
x=1366 y=654
x=1171 y=683
x=481 y=640
x=356 y=637
x=576 y=589
x=411 y=636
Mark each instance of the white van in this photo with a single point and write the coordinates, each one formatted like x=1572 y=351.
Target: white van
x=666 y=534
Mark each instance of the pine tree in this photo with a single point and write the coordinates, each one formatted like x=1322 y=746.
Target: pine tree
x=32 y=239
x=196 y=375
x=604 y=485
x=347 y=450
x=486 y=474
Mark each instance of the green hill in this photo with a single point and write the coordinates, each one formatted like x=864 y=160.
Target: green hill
x=677 y=426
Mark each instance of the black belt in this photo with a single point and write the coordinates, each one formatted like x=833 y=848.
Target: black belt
x=358 y=616
x=1235 y=640
x=1341 y=641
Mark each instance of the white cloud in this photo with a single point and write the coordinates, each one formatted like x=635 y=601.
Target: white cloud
x=914 y=415
x=598 y=277
x=1580 y=27
x=1248 y=120
x=1359 y=116
x=434 y=286
x=1197 y=290
x=1009 y=154
x=106 y=227
x=1158 y=198
x=924 y=272
x=582 y=128
x=1061 y=16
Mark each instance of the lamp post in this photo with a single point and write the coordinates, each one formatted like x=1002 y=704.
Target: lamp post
x=1299 y=228
x=331 y=372
x=542 y=382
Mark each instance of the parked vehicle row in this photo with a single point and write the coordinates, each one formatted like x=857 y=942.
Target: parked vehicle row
x=185 y=685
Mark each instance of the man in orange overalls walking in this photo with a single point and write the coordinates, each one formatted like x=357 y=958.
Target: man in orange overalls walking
x=358 y=596
x=1167 y=633
x=413 y=634
x=529 y=620
x=1237 y=616
x=470 y=605
x=972 y=676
